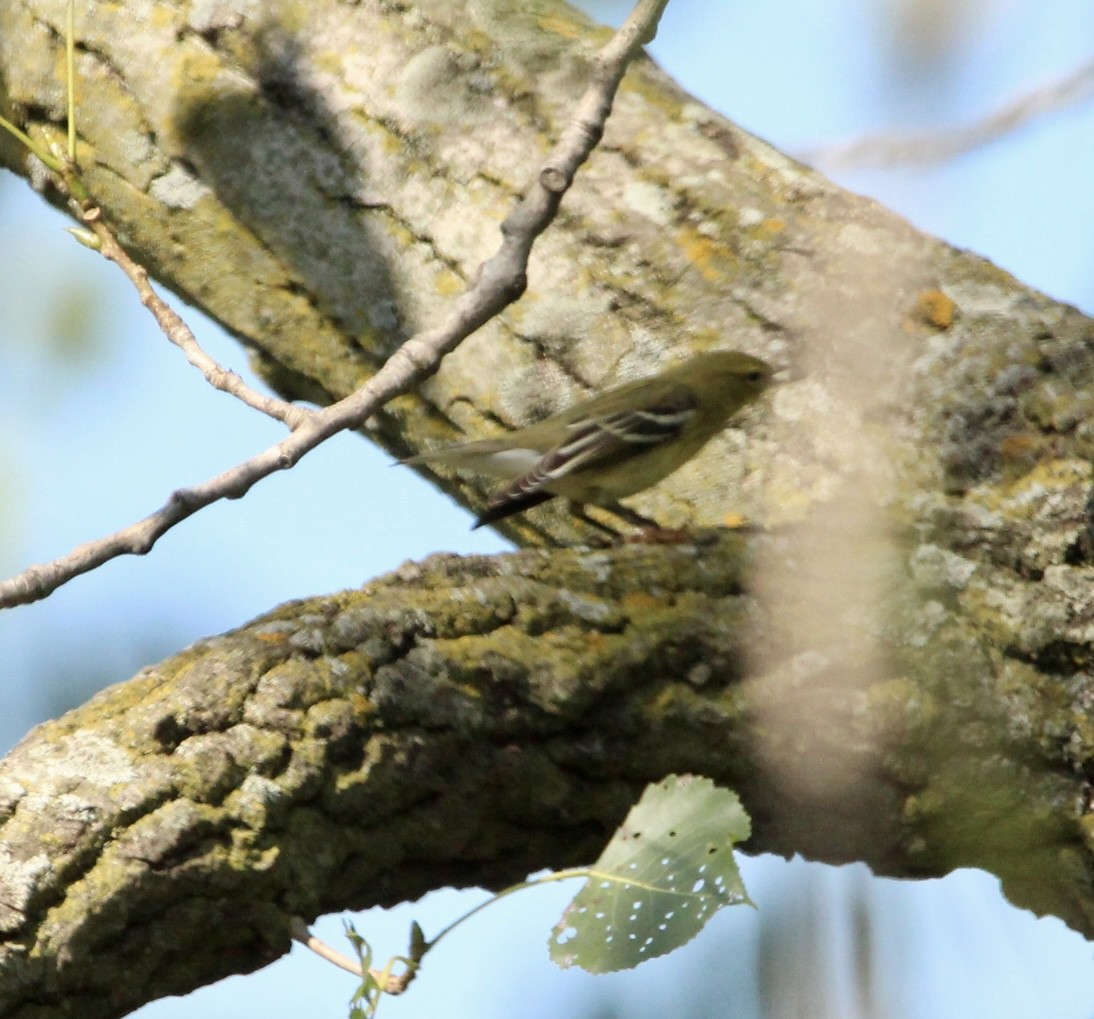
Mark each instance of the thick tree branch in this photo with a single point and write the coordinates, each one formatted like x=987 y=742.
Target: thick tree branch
x=322 y=192
x=467 y=721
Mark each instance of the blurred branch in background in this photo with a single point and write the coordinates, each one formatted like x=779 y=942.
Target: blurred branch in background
x=887 y=150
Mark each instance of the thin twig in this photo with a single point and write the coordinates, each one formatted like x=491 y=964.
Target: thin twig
x=931 y=147
x=301 y=934
x=106 y=243
x=500 y=281
x=390 y=983
x=175 y=329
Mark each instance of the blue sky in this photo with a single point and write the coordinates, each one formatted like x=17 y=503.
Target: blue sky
x=99 y=438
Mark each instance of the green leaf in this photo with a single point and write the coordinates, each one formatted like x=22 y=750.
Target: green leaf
x=366 y=999
x=666 y=871
x=418 y=944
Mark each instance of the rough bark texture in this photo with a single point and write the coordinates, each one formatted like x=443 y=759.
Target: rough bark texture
x=902 y=675
x=467 y=721
x=322 y=184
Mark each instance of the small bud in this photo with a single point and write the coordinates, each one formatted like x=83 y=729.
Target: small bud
x=87 y=238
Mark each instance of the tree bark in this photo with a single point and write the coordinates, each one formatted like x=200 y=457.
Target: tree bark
x=897 y=670
x=468 y=721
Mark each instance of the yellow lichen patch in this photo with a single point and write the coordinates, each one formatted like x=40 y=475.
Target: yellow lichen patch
x=449 y=284
x=935 y=309
x=570 y=28
x=1020 y=453
x=1018 y=447
x=1058 y=407
x=638 y=602
x=770 y=227
x=361 y=704
x=665 y=701
x=200 y=72
x=1022 y=498
x=708 y=256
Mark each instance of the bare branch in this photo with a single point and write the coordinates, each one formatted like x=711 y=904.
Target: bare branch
x=386 y=981
x=500 y=281
x=894 y=150
x=172 y=324
x=303 y=936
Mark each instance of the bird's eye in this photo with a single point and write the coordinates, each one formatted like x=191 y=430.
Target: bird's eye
x=755 y=375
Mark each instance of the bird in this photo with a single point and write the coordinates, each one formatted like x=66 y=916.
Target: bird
x=616 y=443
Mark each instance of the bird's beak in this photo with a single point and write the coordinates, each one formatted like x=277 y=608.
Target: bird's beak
x=786 y=374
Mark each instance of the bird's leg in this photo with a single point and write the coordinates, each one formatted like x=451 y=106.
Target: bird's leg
x=648 y=530
x=651 y=532
x=632 y=517
x=579 y=511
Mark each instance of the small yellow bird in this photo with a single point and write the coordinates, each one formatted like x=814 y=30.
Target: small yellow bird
x=614 y=444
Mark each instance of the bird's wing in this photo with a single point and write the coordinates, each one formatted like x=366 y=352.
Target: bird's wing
x=608 y=438
x=595 y=442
